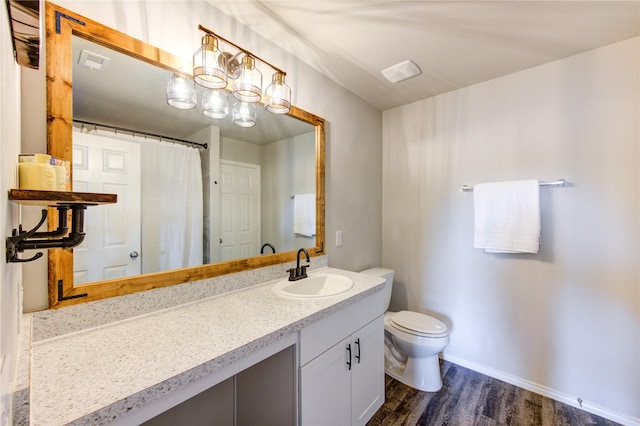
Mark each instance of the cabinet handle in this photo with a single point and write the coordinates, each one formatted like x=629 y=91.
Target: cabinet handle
x=358 y=344
x=349 y=350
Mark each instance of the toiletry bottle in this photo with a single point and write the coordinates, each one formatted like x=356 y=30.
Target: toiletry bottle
x=39 y=175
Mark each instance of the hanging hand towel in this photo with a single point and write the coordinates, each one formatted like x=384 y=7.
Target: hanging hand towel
x=304 y=214
x=507 y=216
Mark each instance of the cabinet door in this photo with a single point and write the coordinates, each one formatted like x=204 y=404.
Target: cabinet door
x=325 y=387
x=367 y=374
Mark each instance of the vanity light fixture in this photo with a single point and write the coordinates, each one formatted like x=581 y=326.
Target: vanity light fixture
x=215 y=104
x=248 y=86
x=278 y=95
x=181 y=92
x=217 y=68
x=244 y=114
x=210 y=64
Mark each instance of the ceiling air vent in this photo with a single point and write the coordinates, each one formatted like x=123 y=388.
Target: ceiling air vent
x=93 y=61
x=402 y=71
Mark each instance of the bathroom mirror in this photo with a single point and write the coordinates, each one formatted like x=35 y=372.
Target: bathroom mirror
x=63 y=26
x=278 y=155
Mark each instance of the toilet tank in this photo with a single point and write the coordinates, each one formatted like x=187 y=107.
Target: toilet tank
x=387 y=274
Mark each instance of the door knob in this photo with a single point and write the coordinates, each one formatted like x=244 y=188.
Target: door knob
x=134 y=254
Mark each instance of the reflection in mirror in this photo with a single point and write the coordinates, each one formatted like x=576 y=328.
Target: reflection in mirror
x=257 y=178
x=283 y=166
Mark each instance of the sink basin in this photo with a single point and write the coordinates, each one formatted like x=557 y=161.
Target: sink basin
x=316 y=285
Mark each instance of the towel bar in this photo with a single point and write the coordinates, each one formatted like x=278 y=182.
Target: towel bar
x=559 y=182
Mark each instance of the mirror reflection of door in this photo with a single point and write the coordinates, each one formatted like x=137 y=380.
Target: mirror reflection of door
x=239 y=210
x=107 y=165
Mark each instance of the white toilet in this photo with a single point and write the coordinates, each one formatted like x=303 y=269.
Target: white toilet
x=412 y=342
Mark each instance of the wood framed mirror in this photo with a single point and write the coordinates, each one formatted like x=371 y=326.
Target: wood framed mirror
x=62 y=26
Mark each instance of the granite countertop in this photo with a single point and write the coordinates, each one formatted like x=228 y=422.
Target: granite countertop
x=95 y=375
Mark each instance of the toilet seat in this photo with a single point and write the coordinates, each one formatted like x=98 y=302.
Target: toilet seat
x=418 y=324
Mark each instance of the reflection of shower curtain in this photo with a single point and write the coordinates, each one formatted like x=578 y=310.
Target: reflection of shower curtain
x=171 y=201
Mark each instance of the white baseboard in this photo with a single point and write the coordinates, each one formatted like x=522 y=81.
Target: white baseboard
x=544 y=391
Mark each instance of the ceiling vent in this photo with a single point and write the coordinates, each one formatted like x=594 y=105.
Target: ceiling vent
x=402 y=71
x=93 y=61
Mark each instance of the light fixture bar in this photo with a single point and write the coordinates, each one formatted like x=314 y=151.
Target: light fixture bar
x=208 y=31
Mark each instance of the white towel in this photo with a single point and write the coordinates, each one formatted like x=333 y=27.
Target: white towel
x=507 y=216
x=304 y=214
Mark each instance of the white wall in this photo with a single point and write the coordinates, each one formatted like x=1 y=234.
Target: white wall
x=567 y=318
x=10 y=290
x=288 y=168
x=241 y=151
x=354 y=138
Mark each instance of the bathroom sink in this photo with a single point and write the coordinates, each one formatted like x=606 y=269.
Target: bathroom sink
x=315 y=285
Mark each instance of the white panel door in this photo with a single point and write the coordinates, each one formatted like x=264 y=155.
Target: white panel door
x=106 y=165
x=239 y=210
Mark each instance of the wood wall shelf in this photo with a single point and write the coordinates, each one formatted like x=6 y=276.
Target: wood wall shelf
x=63 y=237
x=31 y=197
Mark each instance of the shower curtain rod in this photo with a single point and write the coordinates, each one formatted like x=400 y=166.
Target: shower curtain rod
x=137 y=132
x=559 y=182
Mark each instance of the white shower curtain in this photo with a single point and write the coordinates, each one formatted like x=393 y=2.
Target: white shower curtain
x=172 y=217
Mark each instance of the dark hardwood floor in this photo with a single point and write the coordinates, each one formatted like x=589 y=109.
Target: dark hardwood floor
x=471 y=398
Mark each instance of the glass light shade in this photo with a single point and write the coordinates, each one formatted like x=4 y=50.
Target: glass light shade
x=215 y=104
x=244 y=114
x=278 y=95
x=181 y=92
x=210 y=64
x=248 y=87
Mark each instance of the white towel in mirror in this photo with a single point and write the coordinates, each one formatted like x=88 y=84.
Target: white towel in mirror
x=304 y=214
x=507 y=216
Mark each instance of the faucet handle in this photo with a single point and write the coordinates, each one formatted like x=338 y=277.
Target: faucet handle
x=296 y=274
x=292 y=274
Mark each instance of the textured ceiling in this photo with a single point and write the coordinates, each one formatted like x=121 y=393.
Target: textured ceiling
x=456 y=43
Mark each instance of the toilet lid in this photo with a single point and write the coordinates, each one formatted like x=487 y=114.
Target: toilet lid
x=417 y=323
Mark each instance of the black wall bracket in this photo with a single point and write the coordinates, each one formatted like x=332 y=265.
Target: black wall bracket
x=21 y=240
x=62 y=297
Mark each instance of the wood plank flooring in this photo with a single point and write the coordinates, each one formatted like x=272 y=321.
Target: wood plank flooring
x=471 y=398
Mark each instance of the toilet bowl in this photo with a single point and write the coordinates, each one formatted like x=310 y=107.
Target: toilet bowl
x=412 y=343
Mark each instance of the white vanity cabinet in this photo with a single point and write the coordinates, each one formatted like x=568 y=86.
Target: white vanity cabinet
x=342 y=366
x=243 y=357
x=258 y=389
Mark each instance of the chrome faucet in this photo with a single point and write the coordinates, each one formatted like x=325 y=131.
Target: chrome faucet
x=299 y=272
